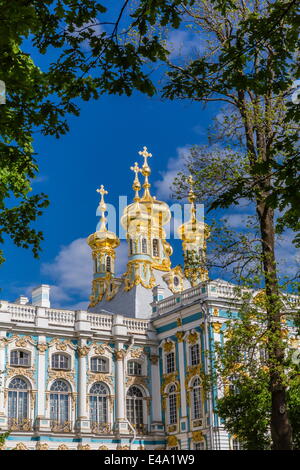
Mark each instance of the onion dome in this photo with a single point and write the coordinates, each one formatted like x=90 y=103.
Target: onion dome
x=103 y=237
x=146 y=210
x=193 y=232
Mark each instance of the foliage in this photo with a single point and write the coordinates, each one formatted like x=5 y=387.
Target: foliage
x=242 y=371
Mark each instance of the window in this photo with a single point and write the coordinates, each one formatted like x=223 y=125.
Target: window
x=195 y=354
x=134 y=408
x=176 y=281
x=172 y=405
x=19 y=358
x=59 y=403
x=196 y=399
x=130 y=246
x=144 y=245
x=98 y=403
x=170 y=362
x=155 y=248
x=60 y=361
x=17 y=402
x=99 y=364
x=108 y=264
x=235 y=445
x=199 y=445
x=134 y=368
x=263 y=355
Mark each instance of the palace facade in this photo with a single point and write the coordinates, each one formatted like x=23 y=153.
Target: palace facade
x=126 y=373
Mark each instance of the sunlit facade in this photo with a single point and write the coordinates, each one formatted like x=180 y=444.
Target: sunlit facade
x=127 y=373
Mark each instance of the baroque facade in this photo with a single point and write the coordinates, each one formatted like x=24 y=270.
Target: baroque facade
x=126 y=373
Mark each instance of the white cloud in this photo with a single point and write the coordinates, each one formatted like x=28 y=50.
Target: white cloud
x=288 y=256
x=174 y=165
x=236 y=220
x=71 y=271
x=93 y=25
x=183 y=44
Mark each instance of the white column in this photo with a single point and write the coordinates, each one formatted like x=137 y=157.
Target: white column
x=41 y=347
x=120 y=399
x=182 y=379
x=2 y=367
x=82 y=370
x=83 y=423
x=121 y=422
x=156 y=425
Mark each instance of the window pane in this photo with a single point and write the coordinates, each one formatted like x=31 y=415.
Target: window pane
x=170 y=362
x=195 y=354
x=99 y=364
x=172 y=408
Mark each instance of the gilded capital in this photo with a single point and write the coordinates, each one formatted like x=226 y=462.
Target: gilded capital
x=180 y=336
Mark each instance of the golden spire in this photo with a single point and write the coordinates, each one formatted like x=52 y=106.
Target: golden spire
x=146 y=172
x=102 y=207
x=192 y=198
x=136 y=183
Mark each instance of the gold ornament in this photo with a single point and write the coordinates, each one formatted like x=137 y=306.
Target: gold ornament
x=154 y=359
x=83 y=351
x=217 y=326
x=103 y=448
x=84 y=447
x=63 y=447
x=180 y=336
x=137 y=353
x=42 y=446
x=20 y=446
x=168 y=346
x=192 y=338
x=197 y=436
x=119 y=355
x=42 y=347
x=172 y=441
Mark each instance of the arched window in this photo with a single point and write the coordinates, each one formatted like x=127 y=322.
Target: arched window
x=134 y=368
x=144 y=245
x=195 y=354
x=98 y=405
x=176 y=281
x=155 y=247
x=108 y=264
x=19 y=358
x=134 y=408
x=18 y=398
x=99 y=364
x=60 y=361
x=196 y=399
x=59 y=404
x=130 y=246
x=172 y=405
x=170 y=362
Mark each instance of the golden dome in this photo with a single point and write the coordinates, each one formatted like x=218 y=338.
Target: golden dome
x=103 y=237
x=193 y=231
x=146 y=211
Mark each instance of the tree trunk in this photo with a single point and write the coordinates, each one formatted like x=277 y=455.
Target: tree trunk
x=281 y=431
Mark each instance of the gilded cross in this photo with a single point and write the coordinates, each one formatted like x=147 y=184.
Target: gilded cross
x=136 y=169
x=102 y=207
x=146 y=155
x=102 y=191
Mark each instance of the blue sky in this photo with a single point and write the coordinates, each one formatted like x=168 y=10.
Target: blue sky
x=99 y=149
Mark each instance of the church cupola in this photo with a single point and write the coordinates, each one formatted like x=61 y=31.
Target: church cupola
x=193 y=235
x=143 y=221
x=103 y=244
